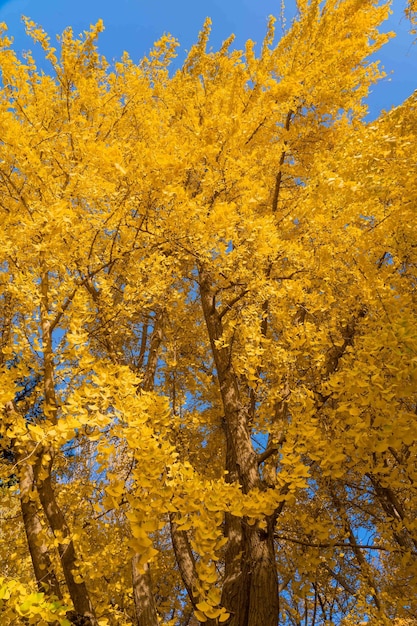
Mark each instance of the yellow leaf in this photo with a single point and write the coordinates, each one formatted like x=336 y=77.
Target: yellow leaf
x=200 y=616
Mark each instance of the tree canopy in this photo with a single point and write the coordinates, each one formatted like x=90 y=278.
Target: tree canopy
x=208 y=332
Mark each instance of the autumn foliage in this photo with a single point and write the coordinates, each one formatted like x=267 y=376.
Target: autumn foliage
x=208 y=327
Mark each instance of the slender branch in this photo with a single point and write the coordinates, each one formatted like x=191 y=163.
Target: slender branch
x=263 y=456
x=85 y=281
x=255 y=131
x=341 y=580
x=336 y=544
x=278 y=180
x=228 y=305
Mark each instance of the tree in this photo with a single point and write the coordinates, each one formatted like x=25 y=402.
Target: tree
x=208 y=332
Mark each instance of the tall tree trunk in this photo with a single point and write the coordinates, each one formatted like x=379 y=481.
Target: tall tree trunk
x=258 y=592
x=251 y=590
x=44 y=573
x=143 y=596
x=186 y=563
x=77 y=590
x=184 y=558
x=234 y=548
x=145 y=608
x=43 y=469
x=42 y=566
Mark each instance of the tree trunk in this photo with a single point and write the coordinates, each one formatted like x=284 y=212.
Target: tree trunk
x=184 y=558
x=186 y=563
x=234 y=548
x=43 y=468
x=77 y=590
x=145 y=608
x=258 y=592
x=45 y=576
x=251 y=587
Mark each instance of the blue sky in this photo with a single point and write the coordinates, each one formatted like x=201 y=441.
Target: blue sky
x=134 y=25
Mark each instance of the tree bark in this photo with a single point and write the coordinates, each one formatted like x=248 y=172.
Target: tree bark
x=42 y=566
x=250 y=592
x=77 y=590
x=43 y=470
x=145 y=608
x=184 y=557
x=186 y=563
x=44 y=573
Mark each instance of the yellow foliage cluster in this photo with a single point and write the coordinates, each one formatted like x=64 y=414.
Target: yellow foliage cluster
x=208 y=340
